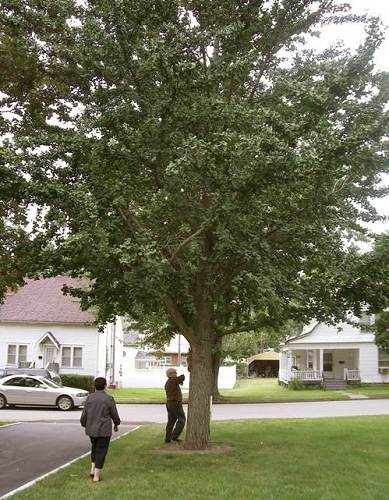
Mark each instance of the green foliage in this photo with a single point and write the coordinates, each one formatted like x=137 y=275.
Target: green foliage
x=296 y=385
x=381 y=327
x=85 y=382
x=174 y=164
x=240 y=345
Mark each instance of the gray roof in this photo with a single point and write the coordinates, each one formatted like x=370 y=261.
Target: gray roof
x=42 y=301
x=130 y=337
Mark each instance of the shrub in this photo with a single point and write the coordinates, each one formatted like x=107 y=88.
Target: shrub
x=296 y=385
x=85 y=382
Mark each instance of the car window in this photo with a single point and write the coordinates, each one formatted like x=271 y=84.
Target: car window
x=16 y=381
x=51 y=383
x=32 y=382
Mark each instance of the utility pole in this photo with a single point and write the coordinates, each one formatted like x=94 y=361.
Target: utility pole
x=179 y=350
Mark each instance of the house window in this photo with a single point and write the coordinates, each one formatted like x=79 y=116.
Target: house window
x=310 y=360
x=327 y=361
x=16 y=354
x=71 y=357
x=383 y=359
x=165 y=361
x=77 y=357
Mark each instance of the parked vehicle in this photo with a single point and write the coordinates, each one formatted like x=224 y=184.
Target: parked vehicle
x=37 y=372
x=29 y=390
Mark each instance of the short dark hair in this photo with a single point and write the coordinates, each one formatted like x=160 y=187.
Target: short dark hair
x=100 y=383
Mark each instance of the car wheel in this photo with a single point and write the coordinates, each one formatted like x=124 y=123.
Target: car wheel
x=65 y=403
x=3 y=401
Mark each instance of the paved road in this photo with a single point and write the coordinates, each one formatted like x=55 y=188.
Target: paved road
x=132 y=414
x=29 y=450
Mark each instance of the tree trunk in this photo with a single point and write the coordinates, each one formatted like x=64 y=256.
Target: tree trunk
x=199 y=411
x=216 y=360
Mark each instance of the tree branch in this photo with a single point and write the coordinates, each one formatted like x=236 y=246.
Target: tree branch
x=177 y=317
x=186 y=242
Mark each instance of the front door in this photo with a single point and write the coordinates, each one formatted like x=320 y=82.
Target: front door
x=49 y=355
x=328 y=364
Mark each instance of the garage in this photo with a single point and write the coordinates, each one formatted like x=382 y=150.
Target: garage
x=265 y=364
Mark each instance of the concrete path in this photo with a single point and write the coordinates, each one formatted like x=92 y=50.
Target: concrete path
x=133 y=414
x=30 y=450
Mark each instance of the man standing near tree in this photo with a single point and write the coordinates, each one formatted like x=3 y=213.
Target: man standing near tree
x=175 y=411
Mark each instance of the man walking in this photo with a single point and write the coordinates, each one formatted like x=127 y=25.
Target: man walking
x=175 y=411
x=97 y=417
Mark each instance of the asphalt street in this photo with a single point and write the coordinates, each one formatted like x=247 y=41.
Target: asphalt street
x=153 y=413
x=29 y=450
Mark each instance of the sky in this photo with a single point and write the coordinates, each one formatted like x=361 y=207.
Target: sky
x=352 y=37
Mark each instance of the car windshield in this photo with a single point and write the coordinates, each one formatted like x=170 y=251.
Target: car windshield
x=50 y=383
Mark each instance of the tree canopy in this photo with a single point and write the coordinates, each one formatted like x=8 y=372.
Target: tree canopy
x=196 y=160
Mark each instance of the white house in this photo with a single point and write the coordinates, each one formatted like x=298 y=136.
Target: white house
x=333 y=353
x=41 y=327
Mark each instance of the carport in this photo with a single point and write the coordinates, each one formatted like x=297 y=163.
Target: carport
x=265 y=364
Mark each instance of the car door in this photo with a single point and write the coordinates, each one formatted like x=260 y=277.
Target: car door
x=14 y=390
x=37 y=393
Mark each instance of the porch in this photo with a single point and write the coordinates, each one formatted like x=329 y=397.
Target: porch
x=318 y=366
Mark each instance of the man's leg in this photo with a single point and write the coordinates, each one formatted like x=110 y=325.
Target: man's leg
x=172 y=416
x=102 y=445
x=180 y=424
x=93 y=455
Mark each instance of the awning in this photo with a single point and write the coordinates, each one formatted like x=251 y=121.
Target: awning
x=49 y=336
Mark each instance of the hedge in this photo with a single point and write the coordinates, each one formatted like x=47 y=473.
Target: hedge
x=85 y=382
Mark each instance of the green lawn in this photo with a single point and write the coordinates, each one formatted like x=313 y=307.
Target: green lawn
x=138 y=395
x=323 y=459
x=259 y=390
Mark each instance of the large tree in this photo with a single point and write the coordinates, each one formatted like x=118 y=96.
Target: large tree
x=195 y=161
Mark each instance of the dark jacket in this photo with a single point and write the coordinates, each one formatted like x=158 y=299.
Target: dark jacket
x=173 y=389
x=98 y=414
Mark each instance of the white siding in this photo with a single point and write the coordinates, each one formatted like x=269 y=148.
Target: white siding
x=67 y=335
x=155 y=378
x=176 y=342
x=323 y=333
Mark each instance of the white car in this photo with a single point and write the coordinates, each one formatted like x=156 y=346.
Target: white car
x=28 y=390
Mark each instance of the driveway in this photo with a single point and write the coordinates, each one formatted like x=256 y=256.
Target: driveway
x=145 y=413
x=30 y=450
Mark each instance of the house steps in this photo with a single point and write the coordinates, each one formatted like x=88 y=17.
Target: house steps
x=334 y=385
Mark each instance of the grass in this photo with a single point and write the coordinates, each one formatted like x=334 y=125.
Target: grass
x=138 y=395
x=323 y=459
x=259 y=390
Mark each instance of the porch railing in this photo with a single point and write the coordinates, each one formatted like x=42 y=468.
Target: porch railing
x=306 y=375
x=284 y=376
x=351 y=374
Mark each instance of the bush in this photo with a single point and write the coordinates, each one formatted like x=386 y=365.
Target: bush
x=86 y=382
x=296 y=385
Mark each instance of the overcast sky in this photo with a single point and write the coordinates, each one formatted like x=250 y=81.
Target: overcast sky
x=352 y=37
